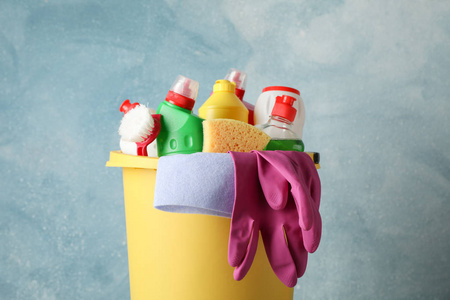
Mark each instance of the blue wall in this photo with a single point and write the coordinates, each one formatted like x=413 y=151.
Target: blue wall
x=375 y=80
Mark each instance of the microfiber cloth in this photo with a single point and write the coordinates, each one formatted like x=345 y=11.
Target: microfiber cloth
x=198 y=183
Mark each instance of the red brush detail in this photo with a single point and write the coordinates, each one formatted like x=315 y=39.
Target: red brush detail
x=142 y=146
x=127 y=106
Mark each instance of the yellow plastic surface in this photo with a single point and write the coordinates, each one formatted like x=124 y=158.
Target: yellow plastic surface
x=223 y=104
x=181 y=256
x=311 y=154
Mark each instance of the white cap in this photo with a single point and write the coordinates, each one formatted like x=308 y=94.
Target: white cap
x=238 y=77
x=185 y=86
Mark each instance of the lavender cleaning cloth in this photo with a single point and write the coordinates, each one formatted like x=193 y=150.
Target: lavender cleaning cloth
x=198 y=183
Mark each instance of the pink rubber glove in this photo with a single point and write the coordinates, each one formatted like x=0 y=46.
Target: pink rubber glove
x=280 y=229
x=298 y=170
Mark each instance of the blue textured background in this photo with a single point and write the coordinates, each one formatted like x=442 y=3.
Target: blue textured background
x=375 y=80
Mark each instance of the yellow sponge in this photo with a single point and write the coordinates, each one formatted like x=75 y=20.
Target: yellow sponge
x=222 y=135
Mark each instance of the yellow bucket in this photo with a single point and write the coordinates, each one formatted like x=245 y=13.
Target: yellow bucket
x=182 y=256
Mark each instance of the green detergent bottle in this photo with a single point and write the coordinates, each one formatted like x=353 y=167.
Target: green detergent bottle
x=181 y=131
x=279 y=126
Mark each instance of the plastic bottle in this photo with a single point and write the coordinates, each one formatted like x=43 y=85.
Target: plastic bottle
x=223 y=103
x=181 y=131
x=266 y=101
x=279 y=126
x=240 y=78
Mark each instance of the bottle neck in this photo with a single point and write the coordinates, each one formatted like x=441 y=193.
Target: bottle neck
x=172 y=105
x=240 y=94
x=180 y=100
x=280 y=122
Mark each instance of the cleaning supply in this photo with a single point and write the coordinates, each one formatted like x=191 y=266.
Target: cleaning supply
x=279 y=126
x=295 y=168
x=131 y=148
x=138 y=129
x=191 y=190
x=277 y=193
x=181 y=131
x=223 y=103
x=240 y=78
x=266 y=101
x=223 y=135
x=183 y=185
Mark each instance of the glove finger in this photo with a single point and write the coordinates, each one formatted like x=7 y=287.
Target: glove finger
x=275 y=187
x=246 y=191
x=315 y=188
x=240 y=235
x=243 y=268
x=311 y=237
x=298 y=252
x=279 y=256
x=304 y=205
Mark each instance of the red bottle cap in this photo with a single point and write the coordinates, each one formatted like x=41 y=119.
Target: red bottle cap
x=180 y=100
x=281 y=88
x=283 y=107
x=127 y=106
x=183 y=92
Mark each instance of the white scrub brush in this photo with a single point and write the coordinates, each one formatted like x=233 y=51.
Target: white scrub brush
x=139 y=126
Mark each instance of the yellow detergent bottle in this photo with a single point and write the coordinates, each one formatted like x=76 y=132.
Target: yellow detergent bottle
x=224 y=104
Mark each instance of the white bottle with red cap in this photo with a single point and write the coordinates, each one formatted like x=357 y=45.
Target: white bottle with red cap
x=266 y=101
x=279 y=126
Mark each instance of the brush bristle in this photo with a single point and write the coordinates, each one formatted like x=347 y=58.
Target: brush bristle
x=137 y=124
